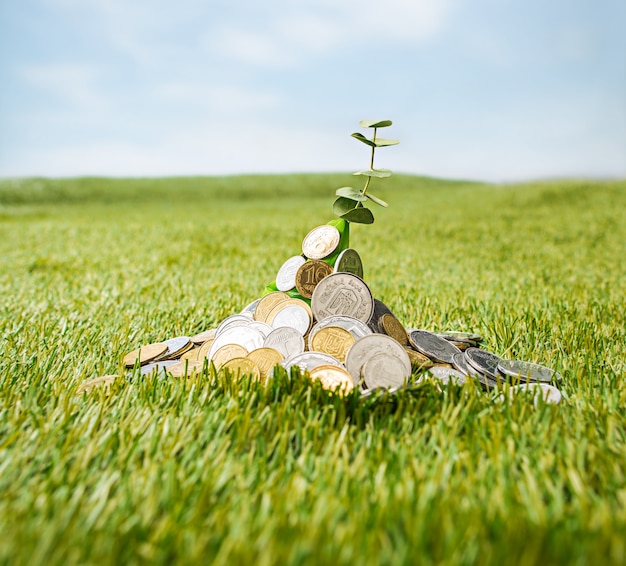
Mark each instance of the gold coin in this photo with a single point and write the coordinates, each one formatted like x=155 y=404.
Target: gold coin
x=309 y=274
x=242 y=366
x=227 y=353
x=145 y=354
x=294 y=318
x=190 y=355
x=186 y=367
x=265 y=359
x=333 y=340
x=460 y=345
x=333 y=377
x=103 y=381
x=321 y=242
x=204 y=349
x=267 y=303
x=393 y=327
x=201 y=338
x=418 y=359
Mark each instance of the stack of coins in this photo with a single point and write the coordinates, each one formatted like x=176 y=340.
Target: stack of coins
x=338 y=333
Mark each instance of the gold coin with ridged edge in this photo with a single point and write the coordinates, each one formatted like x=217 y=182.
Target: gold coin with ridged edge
x=191 y=355
x=267 y=303
x=242 y=366
x=333 y=378
x=227 y=353
x=309 y=275
x=204 y=349
x=145 y=354
x=333 y=340
x=419 y=360
x=266 y=359
x=393 y=327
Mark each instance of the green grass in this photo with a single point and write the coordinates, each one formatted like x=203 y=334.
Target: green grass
x=209 y=471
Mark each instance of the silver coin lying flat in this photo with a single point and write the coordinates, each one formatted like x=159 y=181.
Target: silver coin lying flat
x=369 y=346
x=310 y=360
x=174 y=346
x=525 y=371
x=349 y=261
x=484 y=362
x=288 y=341
x=433 y=346
x=286 y=277
x=342 y=294
x=460 y=363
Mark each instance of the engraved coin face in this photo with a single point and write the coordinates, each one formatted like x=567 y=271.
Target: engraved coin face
x=525 y=371
x=308 y=361
x=320 y=242
x=369 y=346
x=342 y=294
x=266 y=359
x=393 y=327
x=242 y=366
x=460 y=363
x=249 y=338
x=286 y=277
x=447 y=374
x=349 y=261
x=433 y=346
x=483 y=361
x=309 y=275
x=383 y=370
x=417 y=359
x=145 y=354
x=333 y=340
x=288 y=341
x=227 y=353
x=293 y=313
x=333 y=377
x=455 y=336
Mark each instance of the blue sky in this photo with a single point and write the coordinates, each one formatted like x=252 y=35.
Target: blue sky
x=499 y=90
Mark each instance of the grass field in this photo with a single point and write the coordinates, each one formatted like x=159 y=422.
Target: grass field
x=206 y=470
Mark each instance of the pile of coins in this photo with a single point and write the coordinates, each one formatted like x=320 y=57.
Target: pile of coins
x=324 y=319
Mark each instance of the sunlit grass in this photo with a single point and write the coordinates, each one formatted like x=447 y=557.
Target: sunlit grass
x=206 y=470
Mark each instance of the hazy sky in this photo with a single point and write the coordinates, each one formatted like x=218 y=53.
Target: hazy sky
x=485 y=89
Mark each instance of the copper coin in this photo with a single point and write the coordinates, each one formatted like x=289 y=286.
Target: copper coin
x=309 y=275
x=145 y=354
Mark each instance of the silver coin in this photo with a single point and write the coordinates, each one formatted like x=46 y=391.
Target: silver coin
x=263 y=328
x=156 y=367
x=364 y=349
x=525 y=371
x=310 y=360
x=349 y=261
x=460 y=363
x=380 y=309
x=249 y=309
x=485 y=362
x=174 y=345
x=342 y=294
x=455 y=336
x=549 y=393
x=249 y=338
x=293 y=316
x=232 y=320
x=433 y=346
x=288 y=341
x=447 y=374
x=321 y=242
x=286 y=277
x=354 y=326
x=383 y=370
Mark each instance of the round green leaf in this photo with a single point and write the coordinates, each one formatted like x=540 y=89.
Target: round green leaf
x=343 y=205
x=363 y=139
x=359 y=216
x=377 y=200
x=349 y=192
x=382 y=142
x=375 y=123
x=379 y=173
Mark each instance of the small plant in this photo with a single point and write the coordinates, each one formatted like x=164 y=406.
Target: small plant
x=349 y=204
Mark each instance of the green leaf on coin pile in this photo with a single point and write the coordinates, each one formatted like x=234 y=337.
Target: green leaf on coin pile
x=351 y=193
x=377 y=200
x=379 y=173
x=343 y=205
x=375 y=123
x=363 y=139
x=359 y=216
x=382 y=142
